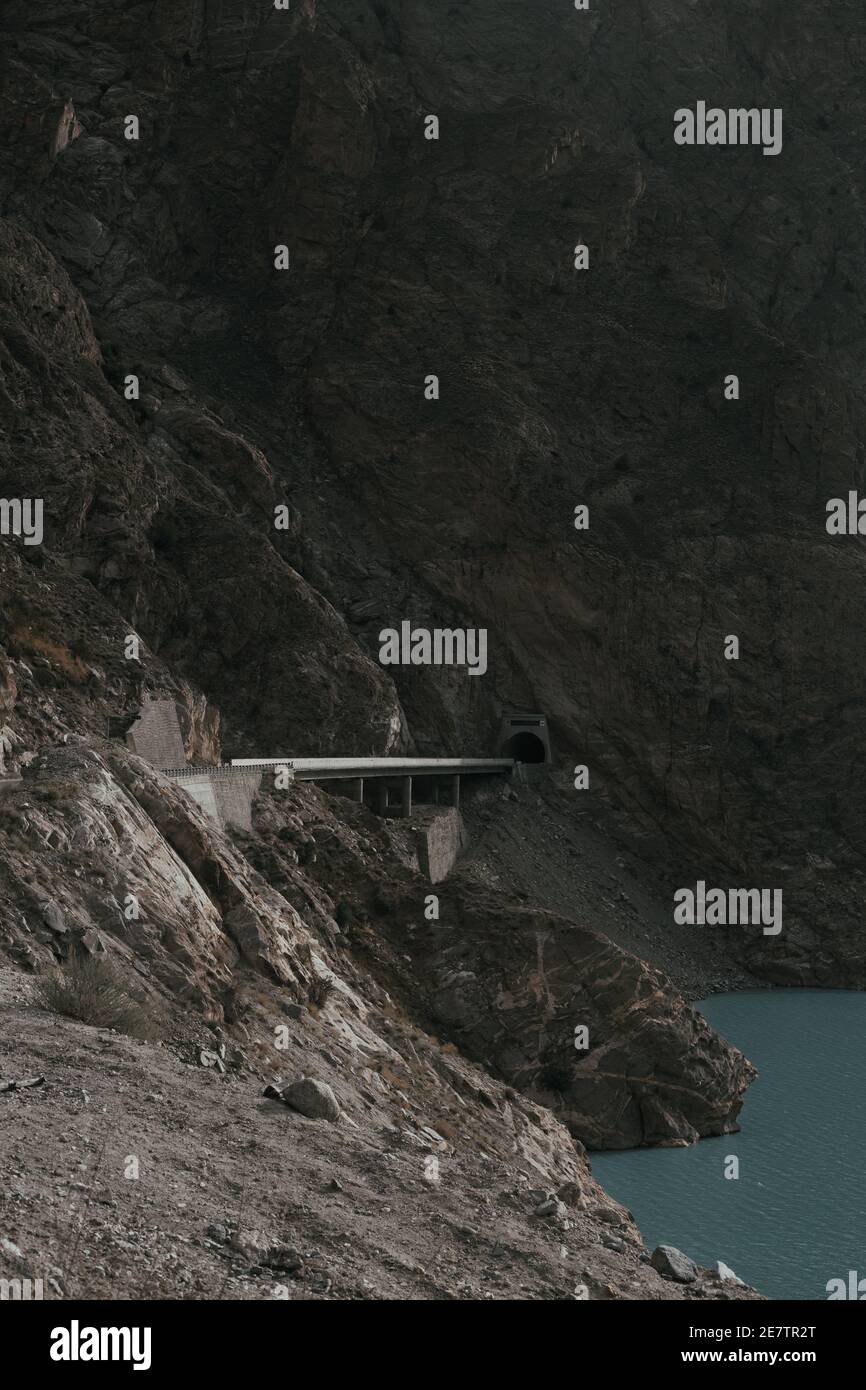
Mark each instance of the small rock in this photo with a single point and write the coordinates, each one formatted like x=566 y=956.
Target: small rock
x=570 y=1193
x=284 y=1257
x=217 y=1233
x=208 y=1059
x=610 y=1215
x=552 y=1208
x=22 y=1085
x=435 y=1138
x=251 y=1244
x=673 y=1264
x=53 y=916
x=726 y=1274
x=614 y=1243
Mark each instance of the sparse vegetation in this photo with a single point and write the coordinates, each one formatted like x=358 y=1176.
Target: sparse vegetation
x=94 y=991
x=320 y=990
x=27 y=643
x=344 y=914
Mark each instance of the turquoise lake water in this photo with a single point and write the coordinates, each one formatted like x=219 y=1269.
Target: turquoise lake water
x=796 y=1216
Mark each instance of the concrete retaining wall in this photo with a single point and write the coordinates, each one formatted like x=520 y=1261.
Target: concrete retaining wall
x=229 y=799
x=155 y=735
x=201 y=789
x=234 y=798
x=440 y=838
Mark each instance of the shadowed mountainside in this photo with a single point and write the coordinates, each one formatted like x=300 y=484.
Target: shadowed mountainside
x=558 y=387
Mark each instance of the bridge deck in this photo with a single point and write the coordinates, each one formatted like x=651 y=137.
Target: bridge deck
x=338 y=769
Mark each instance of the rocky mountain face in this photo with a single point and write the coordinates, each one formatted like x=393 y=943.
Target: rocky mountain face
x=455 y=257
x=304 y=389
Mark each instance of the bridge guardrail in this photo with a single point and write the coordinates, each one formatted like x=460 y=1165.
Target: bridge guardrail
x=217 y=770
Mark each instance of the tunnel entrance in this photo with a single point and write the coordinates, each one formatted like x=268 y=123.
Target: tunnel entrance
x=525 y=738
x=525 y=748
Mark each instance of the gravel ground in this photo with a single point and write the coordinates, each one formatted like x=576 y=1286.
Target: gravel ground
x=237 y=1197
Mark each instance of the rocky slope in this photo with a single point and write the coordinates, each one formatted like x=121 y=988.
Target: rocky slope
x=251 y=970
x=237 y=1197
x=324 y=890
x=303 y=389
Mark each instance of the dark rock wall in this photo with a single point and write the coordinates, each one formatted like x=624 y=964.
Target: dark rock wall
x=558 y=387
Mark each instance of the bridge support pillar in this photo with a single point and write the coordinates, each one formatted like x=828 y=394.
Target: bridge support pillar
x=455 y=790
x=407 y=796
x=382 y=796
x=356 y=789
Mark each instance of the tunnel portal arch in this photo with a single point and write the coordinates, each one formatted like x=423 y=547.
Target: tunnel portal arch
x=525 y=738
x=525 y=747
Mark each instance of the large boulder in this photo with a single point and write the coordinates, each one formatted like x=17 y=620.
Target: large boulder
x=671 y=1263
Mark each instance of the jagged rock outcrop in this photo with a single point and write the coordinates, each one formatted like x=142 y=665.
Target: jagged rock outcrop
x=105 y=856
x=510 y=985
x=517 y=988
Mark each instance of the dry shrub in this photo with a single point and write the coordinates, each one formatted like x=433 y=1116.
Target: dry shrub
x=95 y=992
x=319 y=990
x=26 y=642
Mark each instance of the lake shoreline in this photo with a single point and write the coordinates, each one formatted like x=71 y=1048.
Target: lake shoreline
x=752 y=1200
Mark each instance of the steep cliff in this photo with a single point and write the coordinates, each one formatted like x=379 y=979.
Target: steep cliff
x=558 y=387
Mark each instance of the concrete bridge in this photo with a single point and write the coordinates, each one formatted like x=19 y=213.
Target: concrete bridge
x=428 y=778
x=227 y=792
x=389 y=786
